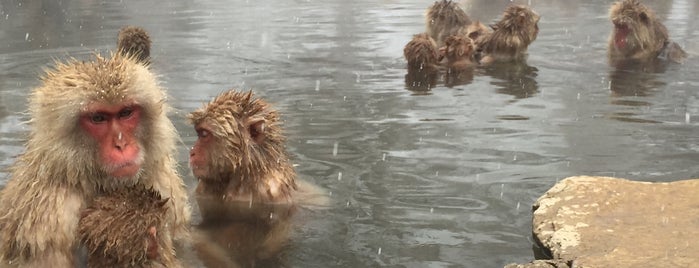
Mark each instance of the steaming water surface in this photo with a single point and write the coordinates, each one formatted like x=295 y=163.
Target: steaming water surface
x=443 y=178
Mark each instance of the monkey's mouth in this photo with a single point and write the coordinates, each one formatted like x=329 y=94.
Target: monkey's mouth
x=124 y=170
x=622 y=31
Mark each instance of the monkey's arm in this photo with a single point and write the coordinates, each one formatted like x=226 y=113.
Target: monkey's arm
x=38 y=225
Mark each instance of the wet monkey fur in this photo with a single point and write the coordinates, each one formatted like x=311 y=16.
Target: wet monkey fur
x=121 y=229
x=240 y=152
x=135 y=41
x=96 y=126
x=638 y=34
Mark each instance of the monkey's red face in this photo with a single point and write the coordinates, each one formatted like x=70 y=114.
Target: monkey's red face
x=114 y=129
x=198 y=157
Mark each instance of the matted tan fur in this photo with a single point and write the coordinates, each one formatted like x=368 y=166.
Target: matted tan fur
x=114 y=230
x=445 y=18
x=134 y=40
x=639 y=35
x=242 y=168
x=57 y=176
x=511 y=36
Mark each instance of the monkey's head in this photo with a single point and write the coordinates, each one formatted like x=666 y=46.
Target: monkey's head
x=521 y=20
x=135 y=41
x=121 y=228
x=101 y=119
x=238 y=135
x=458 y=47
x=635 y=27
x=421 y=52
x=476 y=30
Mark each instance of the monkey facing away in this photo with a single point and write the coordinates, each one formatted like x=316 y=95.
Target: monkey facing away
x=423 y=59
x=134 y=40
x=98 y=125
x=639 y=35
x=445 y=18
x=511 y=36
x=120 y=229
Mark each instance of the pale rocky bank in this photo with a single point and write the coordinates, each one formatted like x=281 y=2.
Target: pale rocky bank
x=600 y=222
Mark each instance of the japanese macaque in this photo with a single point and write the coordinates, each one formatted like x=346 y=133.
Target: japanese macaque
x=511 y=36
x=460 y=62
x=445 y=18
x=476 y=30
x=423 y=62
x=247 y=190
x=120 y=229
x=459 y=52
x=240 y=152
x=639 y=35
x=96 y=126
x=134 y=40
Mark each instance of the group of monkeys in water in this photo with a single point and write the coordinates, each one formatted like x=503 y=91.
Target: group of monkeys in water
x=455 y=43
x=97 y=184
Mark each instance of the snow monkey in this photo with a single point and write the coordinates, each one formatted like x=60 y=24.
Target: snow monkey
x=96 y=126
x=134 y=40
x=639 y=35
x=120 y=229
x=511 y=36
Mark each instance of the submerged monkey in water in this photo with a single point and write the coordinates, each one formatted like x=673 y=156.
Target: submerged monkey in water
x=639 y=35
x=511 y=36
x=247 y=191
x=135 y=41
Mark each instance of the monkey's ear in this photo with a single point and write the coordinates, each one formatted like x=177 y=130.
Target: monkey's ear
x=256 y=128
x=644 y=17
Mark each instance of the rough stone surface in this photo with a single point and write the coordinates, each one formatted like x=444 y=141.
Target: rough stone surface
x=596 y=222
x=540 y=264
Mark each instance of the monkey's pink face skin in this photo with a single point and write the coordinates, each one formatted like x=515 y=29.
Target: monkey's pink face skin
x=114 y=128
x=198 y=159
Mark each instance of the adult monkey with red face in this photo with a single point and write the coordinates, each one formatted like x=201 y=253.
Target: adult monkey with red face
x=96 y=126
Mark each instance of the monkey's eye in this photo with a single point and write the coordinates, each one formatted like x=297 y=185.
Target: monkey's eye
x=98 y=118
x=125 y=113
x=203 y=133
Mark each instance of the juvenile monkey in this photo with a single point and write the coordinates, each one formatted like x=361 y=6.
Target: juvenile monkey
x=445 y=18
x=121 y=229
x=459 y=52
x=240 y=152
x=423 y=62
x=460 y=62
x=639 y=35
x=476 y=30
x=422 y=53
x=511 y=36
x=134 y=40
x=247 y=188
x=98 y=125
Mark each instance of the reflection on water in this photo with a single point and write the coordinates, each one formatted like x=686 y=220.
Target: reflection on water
x=632 y=78
x=421 y=81
x=242 y=235
x=514 y=78
x=444 y=179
